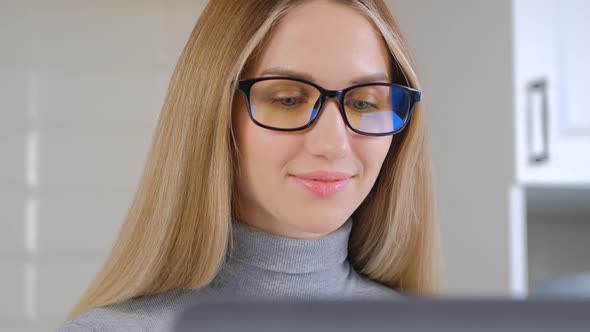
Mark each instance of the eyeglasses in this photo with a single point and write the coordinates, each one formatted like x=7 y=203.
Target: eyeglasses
x=290 y=104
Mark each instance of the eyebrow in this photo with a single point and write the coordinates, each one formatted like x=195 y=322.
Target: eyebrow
x=279 y=71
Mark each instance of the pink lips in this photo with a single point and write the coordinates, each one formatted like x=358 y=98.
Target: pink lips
x=323 y=183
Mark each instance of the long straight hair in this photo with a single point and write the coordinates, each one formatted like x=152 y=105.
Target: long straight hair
x=176 y=232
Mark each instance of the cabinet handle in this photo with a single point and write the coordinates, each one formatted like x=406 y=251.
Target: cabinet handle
x=537 y=122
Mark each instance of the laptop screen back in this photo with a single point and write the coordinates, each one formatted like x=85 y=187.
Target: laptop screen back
x=440 y=315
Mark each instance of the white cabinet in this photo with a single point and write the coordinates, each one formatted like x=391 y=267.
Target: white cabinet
x=573 y=55
x=551 y=45
x=550 y=220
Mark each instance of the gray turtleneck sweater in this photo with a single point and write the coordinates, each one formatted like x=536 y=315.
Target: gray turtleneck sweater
x=260 y=265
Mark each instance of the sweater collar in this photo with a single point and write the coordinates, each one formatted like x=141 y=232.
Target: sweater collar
x=270 y=252
x=265 y=265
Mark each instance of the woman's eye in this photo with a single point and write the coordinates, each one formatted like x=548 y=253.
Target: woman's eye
x=288 y=101
x=360 y=105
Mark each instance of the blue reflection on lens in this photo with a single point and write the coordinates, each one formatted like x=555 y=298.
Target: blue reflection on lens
x=397 y=121
x=399 y=105
x=313 y=113
x=397 y=98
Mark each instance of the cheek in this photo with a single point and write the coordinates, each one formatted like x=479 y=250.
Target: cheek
x=371 y=153
x=263 y=153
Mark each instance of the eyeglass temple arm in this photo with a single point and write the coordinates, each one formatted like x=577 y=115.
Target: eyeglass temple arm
x=417 y=95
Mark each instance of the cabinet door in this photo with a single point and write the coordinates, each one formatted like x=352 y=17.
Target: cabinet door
x=573 y=60
x=552 y=47
x=572 y=110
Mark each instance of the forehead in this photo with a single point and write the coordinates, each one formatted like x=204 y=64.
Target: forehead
x=331 y=42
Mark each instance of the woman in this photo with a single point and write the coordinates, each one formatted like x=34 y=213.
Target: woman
x=284 y=164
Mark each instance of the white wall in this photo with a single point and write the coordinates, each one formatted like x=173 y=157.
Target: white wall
x=81 y=85
x=463 y=51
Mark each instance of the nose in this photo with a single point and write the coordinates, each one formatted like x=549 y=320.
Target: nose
x=329 y=137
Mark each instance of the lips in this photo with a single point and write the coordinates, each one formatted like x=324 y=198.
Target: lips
x=323 y=184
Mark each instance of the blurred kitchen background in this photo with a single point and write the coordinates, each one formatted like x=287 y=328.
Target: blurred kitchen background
x=504 y=81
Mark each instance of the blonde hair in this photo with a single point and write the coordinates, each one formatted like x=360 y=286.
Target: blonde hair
x=178 y=227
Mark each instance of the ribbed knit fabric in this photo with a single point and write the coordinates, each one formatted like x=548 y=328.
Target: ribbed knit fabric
x=258 y=264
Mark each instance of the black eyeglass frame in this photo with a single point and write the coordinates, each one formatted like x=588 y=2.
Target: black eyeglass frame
x=413 y=95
